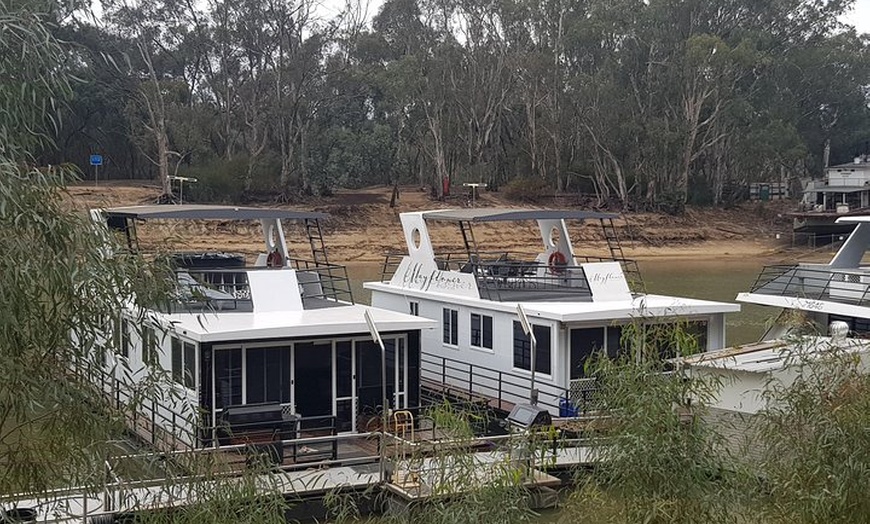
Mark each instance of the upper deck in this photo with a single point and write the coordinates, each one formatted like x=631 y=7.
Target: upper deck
x=233 y=282
x=842 y=286
x=554 y=274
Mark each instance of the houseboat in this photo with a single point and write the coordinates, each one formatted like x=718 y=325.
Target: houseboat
x=820 y=293
x=487 y=302
x=844 y=191
x=266 y=337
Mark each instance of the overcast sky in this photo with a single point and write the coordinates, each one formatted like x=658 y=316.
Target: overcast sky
x=859 y=17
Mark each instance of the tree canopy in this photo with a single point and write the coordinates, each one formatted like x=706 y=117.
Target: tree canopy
x=651 y=104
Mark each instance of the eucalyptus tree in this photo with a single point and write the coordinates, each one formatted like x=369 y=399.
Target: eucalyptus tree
x=56 y=283
x=485 y=78
x=165 y=58
x=240 y=77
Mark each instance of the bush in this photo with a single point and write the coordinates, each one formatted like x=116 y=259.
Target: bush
x=527 y=189
x=217 y=181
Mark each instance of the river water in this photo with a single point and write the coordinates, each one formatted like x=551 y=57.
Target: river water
x=710 y=279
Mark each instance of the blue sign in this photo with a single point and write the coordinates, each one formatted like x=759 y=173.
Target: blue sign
x=96 y=160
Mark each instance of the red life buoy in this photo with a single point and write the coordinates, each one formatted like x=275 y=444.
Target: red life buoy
x=274 y=259
x=557 y=262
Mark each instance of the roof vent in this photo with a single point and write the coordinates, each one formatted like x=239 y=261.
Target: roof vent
x=838 y=330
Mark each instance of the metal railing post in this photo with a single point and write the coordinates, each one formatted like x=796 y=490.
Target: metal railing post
x=153 y=423
x=499 y=389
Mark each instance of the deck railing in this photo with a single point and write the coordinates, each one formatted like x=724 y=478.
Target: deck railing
x=504 y=276
x=496 y=389
x=227 y=289
x=322 y=280
x=847 y=286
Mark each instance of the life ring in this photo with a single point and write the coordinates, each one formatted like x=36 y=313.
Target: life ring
x=557 y=262
x=274 y=259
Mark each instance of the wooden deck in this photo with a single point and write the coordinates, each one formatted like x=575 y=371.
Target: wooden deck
x=416 y=481
x=474 y=398
x=420 y=468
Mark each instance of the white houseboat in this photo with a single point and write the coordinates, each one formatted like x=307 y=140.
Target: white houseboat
x=576 y=305
x=269 y=337
x=844 y=191
x=823 y=293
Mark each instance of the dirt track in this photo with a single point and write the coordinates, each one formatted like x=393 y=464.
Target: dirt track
x=362 y=227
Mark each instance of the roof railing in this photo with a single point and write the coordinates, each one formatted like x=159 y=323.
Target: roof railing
x=846 y=286
x=504 y=276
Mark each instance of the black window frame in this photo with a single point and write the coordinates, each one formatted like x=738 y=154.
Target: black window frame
x=450 y=325
x=480 y=331
x=124 y=338
x=149 y=346
x=267 y=374
x=522 y=348
x=183 y=362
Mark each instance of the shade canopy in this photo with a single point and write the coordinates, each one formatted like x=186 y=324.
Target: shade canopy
x=209 y=212
x=507 y=214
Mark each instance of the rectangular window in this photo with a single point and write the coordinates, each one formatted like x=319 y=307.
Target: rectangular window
x=177 y=361
x=481 y=331
x=267 y=373
x=149 y=346
x=614 y=341
x=523 y=348
x=414 y=308
x=228 y=377
x=183 y=363
x=451 y=326
x=189 y=365
x=124 y=339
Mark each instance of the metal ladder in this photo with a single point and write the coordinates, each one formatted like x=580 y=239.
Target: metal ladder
x=629 y=267
x=333 y=280
x=470 y=243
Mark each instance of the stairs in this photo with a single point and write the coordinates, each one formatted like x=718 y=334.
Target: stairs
x=629 y=267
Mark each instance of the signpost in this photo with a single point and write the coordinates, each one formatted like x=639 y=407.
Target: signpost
x=527 y=329
x=181 y=180
x=474 y=186
x=376 y=337
x=96 y=161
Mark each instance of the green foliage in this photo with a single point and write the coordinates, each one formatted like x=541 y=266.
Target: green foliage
x=30 y=94
x=65 y=281
x=659 y=461
x=253 y=496
x=527 y=189
x=217 y=180
x=58 y=290
x=816 y=461
x=58 y=286
x=658 y=104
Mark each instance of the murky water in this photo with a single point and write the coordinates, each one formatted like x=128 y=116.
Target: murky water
x=712 y=279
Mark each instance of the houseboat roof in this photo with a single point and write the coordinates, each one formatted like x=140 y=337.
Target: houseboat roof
x=841 y=189
x=333 y=321
x=859 y=165
x=641 y=306
x=772 y=355
x=854 y=219
x=508 y=214
x=209 y=212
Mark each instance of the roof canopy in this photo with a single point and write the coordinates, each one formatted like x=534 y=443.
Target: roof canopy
x=209 y=212
x=856 y=219
x=501 y=214
x=841 y=189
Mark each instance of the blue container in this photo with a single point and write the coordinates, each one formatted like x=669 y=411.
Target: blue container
x=567 y=408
